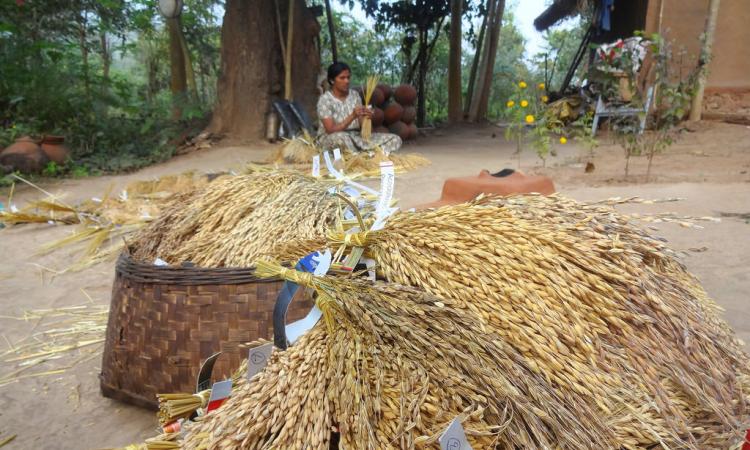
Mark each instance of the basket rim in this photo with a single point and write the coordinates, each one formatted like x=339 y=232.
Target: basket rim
x=130 y=269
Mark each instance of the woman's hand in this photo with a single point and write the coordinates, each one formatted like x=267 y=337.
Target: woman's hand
x=362 y=111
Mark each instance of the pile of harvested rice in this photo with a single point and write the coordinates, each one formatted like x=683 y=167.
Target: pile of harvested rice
x=231 y=222
x=539 y=321
x=596 y=306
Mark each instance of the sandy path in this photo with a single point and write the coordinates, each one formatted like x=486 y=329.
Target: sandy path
x=707 y=167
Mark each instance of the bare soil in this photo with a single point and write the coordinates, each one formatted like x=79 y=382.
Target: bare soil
x=708 y=167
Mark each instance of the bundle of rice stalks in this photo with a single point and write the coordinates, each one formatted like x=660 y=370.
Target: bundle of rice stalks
x=391 y=366
x=297 y=150
x=595 y=306
x=178 y=406
x=372 y=83
x=231 y=222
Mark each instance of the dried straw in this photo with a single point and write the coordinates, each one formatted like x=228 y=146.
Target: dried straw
x=596 y=306
x=391 y=367
x=372 y=83
x=231 y=222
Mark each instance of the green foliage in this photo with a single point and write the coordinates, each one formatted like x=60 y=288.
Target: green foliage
x=73 y=70
x=671 y=102
x=558 y=52
x=527 y=119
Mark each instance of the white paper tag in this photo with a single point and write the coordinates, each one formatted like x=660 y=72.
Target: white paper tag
x=258 y=358
x=96 y=199
x=387 y=182
x=329 y=165
x=336 y=154
x=13 y=208
x=219 y=392
x=454 y=437
x=324 y=263
x=316 y=166
x=348 y=214
x=160 y=262
x=124 y=195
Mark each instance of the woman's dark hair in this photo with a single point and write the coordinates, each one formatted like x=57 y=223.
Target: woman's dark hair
x=335 y=70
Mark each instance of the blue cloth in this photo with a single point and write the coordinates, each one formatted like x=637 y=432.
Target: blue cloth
x=606 y=15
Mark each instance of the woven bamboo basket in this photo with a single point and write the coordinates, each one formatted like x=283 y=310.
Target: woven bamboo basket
x=165 y=321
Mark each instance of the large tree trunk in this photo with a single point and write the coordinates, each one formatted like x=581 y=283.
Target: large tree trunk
x=332 y=32
x=252 y=74
x=481 y=97
x=178 y=80
x=696 y=108
x=454 y=64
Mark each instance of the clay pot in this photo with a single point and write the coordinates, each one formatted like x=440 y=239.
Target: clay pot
x=377 y=116
x=410 y=115
x=387 y=91
x=24 y=155
x=55 y=149
x=400 y=128
x=377 y=98
x=380 y=129
x=405 y=94
x=393 y=113
x=413 y=131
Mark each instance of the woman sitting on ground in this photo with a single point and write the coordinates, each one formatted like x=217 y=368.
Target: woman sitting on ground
x=340 y=112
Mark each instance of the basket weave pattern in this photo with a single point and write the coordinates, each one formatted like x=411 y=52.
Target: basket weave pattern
x=165 y=321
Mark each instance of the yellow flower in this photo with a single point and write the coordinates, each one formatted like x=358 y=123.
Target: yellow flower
x=545 y=99
x=510 y=103
x=563 y=140
x=529 y=119
x=524 y=103
x=541 y=86
x=522 y=85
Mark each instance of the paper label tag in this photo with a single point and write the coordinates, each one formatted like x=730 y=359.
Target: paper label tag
x=257 y=359
x=329 y=165
x=387 y=181
x=316 y=166
x=220 y=391
x=454 y=437
x=336 y=154
x=160 y=262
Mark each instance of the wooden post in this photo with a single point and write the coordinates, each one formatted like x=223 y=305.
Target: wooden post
x=332 y=31
x=696 y=109
x=288 y=62
x=454 y=64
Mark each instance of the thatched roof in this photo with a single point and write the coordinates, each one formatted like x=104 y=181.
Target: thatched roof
x=559 y=10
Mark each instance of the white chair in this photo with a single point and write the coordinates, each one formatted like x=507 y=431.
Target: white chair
x=623 y=111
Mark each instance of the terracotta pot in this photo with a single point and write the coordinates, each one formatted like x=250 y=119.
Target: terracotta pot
x=387 y=91
x=377 y=117
x=24 y=155
x=410 y=115
x=405 y=94
x=393 y=113
x=413 y=131
x=377 y=98
x=55 y=149
x=400 y=128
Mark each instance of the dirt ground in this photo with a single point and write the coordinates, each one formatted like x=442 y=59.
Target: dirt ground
x=708 y=167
